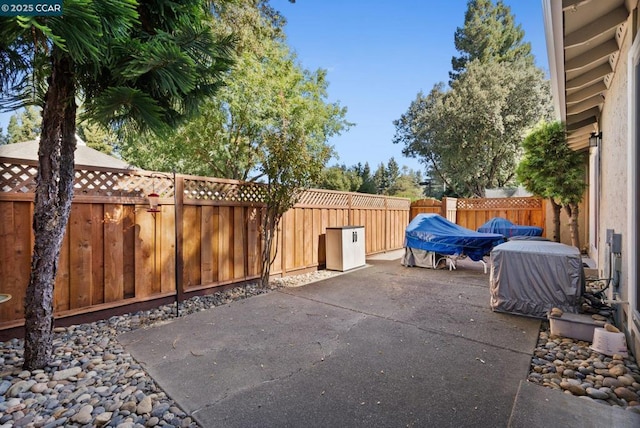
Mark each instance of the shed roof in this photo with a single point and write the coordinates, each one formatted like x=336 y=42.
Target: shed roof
x=84 y=154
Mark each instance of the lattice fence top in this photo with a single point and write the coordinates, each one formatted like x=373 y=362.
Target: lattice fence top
x=229 y=191
x=21 y=178
x=367 y=201
x=398 y=203
x=315 y=197
x=335 y=199
x=499 y=203
x=17 y=176
x=122 y=184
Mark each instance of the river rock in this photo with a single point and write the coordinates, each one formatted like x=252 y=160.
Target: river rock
x=103 y=418
x=84 y=415
x=611 y=382
x=573 y=388
x=617 y=370
x=597 y=394
x=66 y=374
x=144 y=406
x=625 y=394
x=20 y=387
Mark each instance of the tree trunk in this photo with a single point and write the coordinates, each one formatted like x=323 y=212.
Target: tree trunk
x=269 y=227
x=265 y=267
x=556 y=219
x=572 y=211
x=53 y=195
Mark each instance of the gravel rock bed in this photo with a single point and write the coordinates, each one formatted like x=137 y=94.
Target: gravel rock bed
x=572 y=367
x=93 y=382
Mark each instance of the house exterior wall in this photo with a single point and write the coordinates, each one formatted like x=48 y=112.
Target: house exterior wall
x=614 y=176
x=613 y=158
x=633 y=186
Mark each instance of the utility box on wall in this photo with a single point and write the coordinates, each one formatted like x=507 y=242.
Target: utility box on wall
x=345 y=247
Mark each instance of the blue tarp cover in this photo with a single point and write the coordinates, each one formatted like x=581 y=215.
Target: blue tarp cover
x=506 y=228
x=431 y=232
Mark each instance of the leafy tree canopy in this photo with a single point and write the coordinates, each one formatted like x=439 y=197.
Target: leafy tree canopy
x=469 y=136
x=228 y=138
x=550 y=169
x=339 y=177
x=390 y=180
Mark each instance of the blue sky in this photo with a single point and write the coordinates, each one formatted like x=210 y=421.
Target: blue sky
x=379 y=54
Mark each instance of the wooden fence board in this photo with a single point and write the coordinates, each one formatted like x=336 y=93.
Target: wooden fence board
x=145 y=246
x=316 y=235
x=128 y=251
x=225 y=239
x=166 y=257
x=215 y=245
x=61 y=289
x=97 y=254
x=309 y=238
x=80 y=255
x=253 y=241
x=298 y=239
x=15 y=261
x=191 y=246
x=288 y=243
x=114 y=253
x=207 y=250
x=239 y=237
x=322 y=244
x=333 y=218
x=7 y=256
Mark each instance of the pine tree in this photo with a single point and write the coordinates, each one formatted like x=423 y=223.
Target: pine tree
x=24 y=125
x=489 y=34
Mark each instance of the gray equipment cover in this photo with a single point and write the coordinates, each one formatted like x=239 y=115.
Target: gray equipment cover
x=421 y=258
x=531 y=277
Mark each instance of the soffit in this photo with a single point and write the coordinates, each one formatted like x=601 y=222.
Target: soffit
x=593 y=31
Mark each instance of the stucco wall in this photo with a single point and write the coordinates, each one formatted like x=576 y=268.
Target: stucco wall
x=613 y=164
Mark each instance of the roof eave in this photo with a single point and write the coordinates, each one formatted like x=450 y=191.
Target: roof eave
x=554 y=35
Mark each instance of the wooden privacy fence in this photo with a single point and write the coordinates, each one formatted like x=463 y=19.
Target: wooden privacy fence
x=474 y=212
x=205 y=235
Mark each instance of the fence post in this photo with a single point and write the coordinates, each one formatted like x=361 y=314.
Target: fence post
x=449 y=208
x=179 y=230
x=386 y=221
